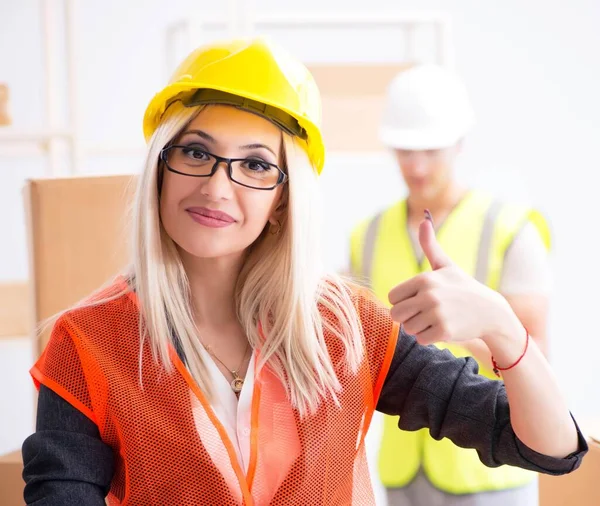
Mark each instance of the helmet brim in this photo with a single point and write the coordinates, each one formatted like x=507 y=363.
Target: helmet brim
x=417 y=140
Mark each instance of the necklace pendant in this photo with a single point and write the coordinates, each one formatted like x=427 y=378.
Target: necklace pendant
x=237 y=383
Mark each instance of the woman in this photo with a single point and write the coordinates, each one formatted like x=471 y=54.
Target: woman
x=224 y=367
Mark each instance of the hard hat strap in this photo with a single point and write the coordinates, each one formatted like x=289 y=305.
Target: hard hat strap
x=282 y=119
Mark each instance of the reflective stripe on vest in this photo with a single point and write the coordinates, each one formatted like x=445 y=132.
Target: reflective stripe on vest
x=485 y=243
x=369 y=247
x=476 y=235
x=169 y=446
x=483 y=254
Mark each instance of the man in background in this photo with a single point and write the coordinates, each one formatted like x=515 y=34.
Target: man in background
x=503 y=245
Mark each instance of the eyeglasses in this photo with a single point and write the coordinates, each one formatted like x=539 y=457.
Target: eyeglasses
x=196 y=162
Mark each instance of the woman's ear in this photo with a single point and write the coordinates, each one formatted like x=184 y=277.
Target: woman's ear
x=278 y=216
x=280 y=207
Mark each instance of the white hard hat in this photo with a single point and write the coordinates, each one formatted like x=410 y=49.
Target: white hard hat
x=427 y=108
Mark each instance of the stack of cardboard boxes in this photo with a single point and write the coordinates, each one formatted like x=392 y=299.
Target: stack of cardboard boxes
x=78 y=240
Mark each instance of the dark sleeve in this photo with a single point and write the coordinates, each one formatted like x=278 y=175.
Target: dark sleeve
x=430 y=388
x=65 y=461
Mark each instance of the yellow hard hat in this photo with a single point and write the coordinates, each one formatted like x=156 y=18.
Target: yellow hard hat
x=253 y=75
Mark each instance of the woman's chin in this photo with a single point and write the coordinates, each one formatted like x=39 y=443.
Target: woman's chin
x=211 y=251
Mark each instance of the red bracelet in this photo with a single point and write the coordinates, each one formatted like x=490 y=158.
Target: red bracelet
x=497 y=369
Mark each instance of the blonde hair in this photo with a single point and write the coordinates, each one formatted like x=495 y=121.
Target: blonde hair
x=279 y=293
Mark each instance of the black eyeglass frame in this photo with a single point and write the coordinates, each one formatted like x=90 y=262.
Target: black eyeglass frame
x=228 y=161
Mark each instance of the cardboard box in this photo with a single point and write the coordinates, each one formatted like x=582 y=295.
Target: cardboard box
x=11 y=481
x=78 y=238
x=582 y=487
x=349 y=92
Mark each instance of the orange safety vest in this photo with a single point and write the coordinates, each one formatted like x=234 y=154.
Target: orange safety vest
x=169 y=446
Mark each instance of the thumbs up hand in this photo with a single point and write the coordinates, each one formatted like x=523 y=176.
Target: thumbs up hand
x=446 y=304
x=432 y=249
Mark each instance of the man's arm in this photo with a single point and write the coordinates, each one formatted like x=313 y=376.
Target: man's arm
x=532 y=310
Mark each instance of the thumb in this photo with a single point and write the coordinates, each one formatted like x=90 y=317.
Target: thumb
x=431 y=247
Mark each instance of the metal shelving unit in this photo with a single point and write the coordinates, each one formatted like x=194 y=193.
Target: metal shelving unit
x=241 y=19
x=48 y=137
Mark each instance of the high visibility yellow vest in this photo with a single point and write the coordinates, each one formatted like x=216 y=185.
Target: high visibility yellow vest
x=476 y=235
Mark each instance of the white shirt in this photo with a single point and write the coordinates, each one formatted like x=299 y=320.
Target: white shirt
x=234 y=414
x=527 y=267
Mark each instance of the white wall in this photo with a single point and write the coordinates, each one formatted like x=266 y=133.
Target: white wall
x=532 y=69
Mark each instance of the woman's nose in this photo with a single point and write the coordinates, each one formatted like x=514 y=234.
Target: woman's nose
x=218 y=186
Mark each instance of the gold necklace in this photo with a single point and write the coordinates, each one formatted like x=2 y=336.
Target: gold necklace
x=237 y=382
